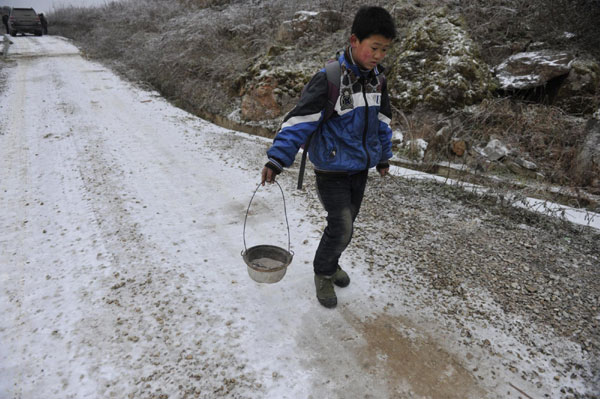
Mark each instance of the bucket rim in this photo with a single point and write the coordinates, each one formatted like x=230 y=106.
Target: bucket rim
x=288 y=253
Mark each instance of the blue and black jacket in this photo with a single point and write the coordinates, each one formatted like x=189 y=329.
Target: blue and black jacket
x=356 y=137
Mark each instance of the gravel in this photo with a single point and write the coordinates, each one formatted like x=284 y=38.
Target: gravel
x=539 y=270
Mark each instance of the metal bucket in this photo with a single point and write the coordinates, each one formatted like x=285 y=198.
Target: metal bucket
x=267 y=263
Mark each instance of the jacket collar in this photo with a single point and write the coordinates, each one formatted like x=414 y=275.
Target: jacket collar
x=347 y=59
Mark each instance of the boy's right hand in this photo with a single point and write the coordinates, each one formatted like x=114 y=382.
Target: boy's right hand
x=267 y=176
x=271 y=169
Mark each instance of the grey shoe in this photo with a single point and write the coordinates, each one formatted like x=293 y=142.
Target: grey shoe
x=341 y=278
x=325 y=291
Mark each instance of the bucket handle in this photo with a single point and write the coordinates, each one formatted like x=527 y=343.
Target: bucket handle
x=284 y=212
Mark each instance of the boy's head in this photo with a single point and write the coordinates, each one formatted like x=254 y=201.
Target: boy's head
x=370 y=21
x=373 y=30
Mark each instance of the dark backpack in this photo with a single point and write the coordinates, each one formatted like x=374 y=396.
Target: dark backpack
x=333 y=71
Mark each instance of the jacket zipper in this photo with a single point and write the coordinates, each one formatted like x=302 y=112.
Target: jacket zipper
x=364 y=138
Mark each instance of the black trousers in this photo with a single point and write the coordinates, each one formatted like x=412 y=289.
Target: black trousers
x=341 y=196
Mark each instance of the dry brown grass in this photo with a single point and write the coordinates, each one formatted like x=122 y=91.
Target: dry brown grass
x=540 y=133
x=193 y=51
x=517 y=22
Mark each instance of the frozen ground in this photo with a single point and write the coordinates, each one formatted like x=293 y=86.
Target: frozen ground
x=121 y=275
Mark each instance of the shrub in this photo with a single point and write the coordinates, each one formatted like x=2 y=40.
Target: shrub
x=545 y=134
x=519 y=22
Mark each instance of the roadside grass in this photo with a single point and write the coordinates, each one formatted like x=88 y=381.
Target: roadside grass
x=544 y=134
x=190 y=50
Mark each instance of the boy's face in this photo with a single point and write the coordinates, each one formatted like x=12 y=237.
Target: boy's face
x=370 y=51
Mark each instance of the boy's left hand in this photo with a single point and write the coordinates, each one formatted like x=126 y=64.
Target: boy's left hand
x=384 y=171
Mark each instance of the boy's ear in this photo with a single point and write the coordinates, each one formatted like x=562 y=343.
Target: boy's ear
x=354 y=41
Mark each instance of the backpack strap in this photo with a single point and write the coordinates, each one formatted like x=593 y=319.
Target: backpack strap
x=333 y=71
x=382 y=80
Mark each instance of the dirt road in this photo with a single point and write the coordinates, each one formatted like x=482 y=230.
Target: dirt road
x=121 y=275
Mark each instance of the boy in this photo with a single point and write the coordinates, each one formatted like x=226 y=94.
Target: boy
x=355 y=138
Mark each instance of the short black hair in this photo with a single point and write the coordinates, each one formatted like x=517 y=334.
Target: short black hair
x=373 y=21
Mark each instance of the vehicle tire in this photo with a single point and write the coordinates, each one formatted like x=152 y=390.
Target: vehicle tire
x=13 y=33
x=38 y=33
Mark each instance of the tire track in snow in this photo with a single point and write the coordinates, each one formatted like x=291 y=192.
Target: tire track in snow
x=148 y=331
x=151 y=294
x=15 y=216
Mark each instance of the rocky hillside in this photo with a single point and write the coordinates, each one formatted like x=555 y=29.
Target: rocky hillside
x=507 y=87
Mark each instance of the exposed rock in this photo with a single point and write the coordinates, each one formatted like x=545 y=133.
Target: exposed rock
x=458 y=147
x=531 y=69
x=271 y=87
x=516 y=167
x=260 y=104
x=495 y=150
x=577 y=93
x=439 y=67
x=525 y=164
x=308 y=21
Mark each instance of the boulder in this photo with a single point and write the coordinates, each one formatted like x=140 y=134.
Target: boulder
x=309 y=22
x=495 y=150
x=531 y=69
x=577 y=94
x=439 y=67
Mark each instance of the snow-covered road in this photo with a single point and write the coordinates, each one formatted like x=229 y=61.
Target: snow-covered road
x=120 y=268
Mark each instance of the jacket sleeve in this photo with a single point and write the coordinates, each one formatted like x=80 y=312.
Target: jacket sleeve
x=300 y=122
x=385 y=131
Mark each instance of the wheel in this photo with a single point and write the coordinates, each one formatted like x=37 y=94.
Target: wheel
x=13 y=33
x=38 y=33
